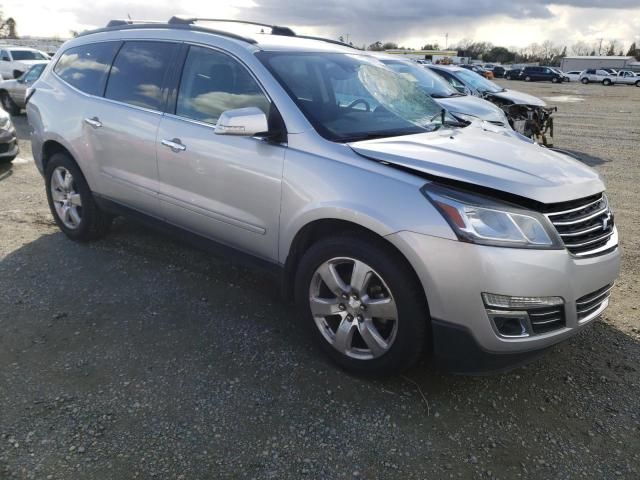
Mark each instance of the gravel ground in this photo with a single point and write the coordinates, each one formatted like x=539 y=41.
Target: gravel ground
x=138 y=357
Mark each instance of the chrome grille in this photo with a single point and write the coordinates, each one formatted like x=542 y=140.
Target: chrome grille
x=546 y=319
x=593 y=303
x=585 y=226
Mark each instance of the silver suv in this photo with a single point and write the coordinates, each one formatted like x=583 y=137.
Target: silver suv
x=397 y=228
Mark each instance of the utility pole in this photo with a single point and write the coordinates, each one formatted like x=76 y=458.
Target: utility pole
x=600 y=47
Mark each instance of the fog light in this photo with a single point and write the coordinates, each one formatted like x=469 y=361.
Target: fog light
x=503 y=301
x=510 y=324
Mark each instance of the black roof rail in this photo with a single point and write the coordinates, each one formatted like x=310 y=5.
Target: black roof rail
x=188 y=23
x=115 y=25
x=275 y=29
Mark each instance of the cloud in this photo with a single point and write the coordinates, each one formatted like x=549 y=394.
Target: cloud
x=409 y=22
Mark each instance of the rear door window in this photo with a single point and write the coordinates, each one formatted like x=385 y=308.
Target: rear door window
x=138 y=72
x=86 y=67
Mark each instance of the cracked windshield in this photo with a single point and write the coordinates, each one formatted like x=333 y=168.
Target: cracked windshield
x=352 y=97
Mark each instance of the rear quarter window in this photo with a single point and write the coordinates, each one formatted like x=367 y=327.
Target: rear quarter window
x=86 y=67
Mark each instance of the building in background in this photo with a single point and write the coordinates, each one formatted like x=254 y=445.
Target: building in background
x=47 y=45
x=429 y=55
x=582 y=63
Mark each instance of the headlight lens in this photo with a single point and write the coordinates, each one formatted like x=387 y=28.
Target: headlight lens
x=5 y=122
x=482 y=220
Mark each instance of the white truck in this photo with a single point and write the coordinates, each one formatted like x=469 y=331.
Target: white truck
x=627 y=77
x=14 y=61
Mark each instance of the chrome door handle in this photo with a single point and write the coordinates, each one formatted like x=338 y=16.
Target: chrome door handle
x=175 y=145
x=94 y=122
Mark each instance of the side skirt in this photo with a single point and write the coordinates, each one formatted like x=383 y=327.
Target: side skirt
x=205 y=244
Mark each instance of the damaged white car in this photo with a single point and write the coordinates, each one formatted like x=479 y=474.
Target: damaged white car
x=527 y=114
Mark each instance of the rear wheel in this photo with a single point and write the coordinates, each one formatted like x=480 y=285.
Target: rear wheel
x=606 y=82
x=71 y=201
x=638 y=83
x=363 y=305
x=8 y=104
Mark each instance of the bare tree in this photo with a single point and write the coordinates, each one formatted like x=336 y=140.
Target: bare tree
x=580 y=49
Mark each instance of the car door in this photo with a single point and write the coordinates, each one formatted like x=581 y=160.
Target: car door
x=18 y=90
x=122 y=127
x=223 y=187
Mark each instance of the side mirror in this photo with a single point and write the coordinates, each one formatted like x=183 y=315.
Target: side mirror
x=245 y=122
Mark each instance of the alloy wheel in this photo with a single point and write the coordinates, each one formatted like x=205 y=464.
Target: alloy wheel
x=353 y=308
x=66 y=200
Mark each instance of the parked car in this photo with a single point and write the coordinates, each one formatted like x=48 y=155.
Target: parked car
x=573 y=75
x=478 y=69
x=8 y=141
x=597 y=75
x=627 y=77
x=537 y=74
x=14 y=61
x=565 y=77
x=513 y=74
x=397 y=228
x=462 y=106
x=527 y=114
x=498 y=71
x=13 y=93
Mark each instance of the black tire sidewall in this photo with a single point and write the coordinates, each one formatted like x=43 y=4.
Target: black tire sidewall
x=10 y=105
x=413 y=317
x=89 y=209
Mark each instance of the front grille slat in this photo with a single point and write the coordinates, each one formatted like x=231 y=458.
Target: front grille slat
x=546 y=319
x=592 y=302
x=586 y=227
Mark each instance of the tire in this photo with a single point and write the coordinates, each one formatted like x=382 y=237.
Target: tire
x=527 y=78
x=391 y=277
x=606 y=82
x=554 y=80
x=93 y=223
x=585 y=81
x=638 y=83
x=8 y=104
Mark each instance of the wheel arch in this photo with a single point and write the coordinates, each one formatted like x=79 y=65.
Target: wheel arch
x=319 y=229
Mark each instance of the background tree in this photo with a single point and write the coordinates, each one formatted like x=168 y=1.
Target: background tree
x=375 y=46
x=389 y=46
x=580 y=48
x=499 y=55
x=634 y=51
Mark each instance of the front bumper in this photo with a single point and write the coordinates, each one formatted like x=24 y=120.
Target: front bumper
x=455 y=274
x=8 y=144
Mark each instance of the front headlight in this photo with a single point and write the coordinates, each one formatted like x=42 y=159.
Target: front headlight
x=486 y=221
x=5 y=122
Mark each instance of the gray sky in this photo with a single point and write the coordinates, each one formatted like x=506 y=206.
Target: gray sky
x=408 y=22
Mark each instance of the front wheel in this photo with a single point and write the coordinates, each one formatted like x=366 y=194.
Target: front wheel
x=527 y=79
x=71 y=201
x=638 y=83
x=363 y=304
x=606 y=82
x=554 y=80
x=585 y=80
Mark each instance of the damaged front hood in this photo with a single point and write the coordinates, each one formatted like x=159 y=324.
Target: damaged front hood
x=474 y=106
x=491 y=159
x=518 y=98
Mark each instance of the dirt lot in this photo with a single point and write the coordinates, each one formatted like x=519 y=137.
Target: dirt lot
x=138 y=357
